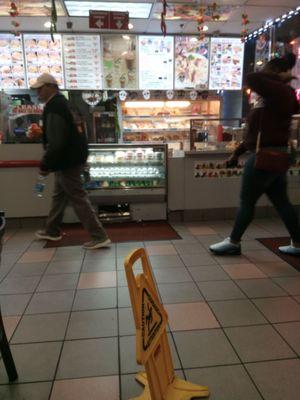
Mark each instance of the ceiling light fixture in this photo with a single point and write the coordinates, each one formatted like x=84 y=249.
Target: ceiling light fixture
x=47 y=24
x=126 y=37
x=130 y=26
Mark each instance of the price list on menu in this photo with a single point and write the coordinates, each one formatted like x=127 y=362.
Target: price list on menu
x=226 y=64
x=156 y=62
x=43 y=56
x=82 y=61
x=12 y=70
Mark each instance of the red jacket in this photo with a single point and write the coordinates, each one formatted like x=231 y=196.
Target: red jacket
x=274 y=119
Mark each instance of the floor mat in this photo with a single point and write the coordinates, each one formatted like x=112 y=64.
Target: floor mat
x=273 y=243
x=75 y=235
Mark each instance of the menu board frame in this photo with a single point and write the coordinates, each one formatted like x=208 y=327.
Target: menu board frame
x=64 y=36
x=230 y=57
x=148 y=86
x=7 y=68
x=59 y=61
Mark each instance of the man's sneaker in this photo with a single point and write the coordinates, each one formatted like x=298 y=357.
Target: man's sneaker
x=290 y=250
x=96 y=244
x=226 y=247
x=43 y=235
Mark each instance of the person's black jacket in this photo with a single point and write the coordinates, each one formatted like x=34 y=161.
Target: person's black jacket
x=64 y=146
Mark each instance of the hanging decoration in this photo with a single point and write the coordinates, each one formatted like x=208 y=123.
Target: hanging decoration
x=245 y=23
x=213 y=11
x=53 y=28
x=14 y=12
x=200 y=23
x=163 y=14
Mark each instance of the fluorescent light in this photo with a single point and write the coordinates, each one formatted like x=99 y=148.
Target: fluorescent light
x=82 y=8
x=144 y=104
x=178 y=104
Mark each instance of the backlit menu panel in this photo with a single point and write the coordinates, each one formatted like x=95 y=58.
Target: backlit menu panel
x=156 y=58
x=82 y=61
x=226 y=64
x=43 y=56
x=12 y=70
x=191 y=62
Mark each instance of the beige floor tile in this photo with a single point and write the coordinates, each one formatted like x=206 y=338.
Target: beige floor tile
x=188 y=316
x=37 y=256
x=201 y=230
x=162 y=249
x=243 y=271
x=92 y=280
x=105 y=387
x=10 y=324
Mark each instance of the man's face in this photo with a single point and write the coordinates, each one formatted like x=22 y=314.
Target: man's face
x=45 y=92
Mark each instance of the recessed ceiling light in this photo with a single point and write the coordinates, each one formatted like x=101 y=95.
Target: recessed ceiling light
x=47 y=24
x=82 y=8
x=205 y=28
x=130 y=26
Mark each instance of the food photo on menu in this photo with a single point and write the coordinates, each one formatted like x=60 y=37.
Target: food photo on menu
x=119 y=62
x=191 y=62
x=226 y=64
x=12 y=70
x=43 y=56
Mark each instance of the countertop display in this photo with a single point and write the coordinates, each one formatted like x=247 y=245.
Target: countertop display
x=12 y=69
x=126 y=167
x=43 y=56
x=82 y=60
x=226 y=63
x=191 y=62
x=156 y=58
x=119 y=62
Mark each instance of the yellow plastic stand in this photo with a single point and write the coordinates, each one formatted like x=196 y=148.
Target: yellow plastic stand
x=152 y=346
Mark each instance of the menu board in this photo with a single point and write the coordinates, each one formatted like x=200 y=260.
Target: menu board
x=12 y=70
x=191 y=62
x=226 y=63
x=43 y=56
x=156 y=58
x=119 y=62
x=82 y=61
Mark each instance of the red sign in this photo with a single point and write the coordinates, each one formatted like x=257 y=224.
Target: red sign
x=119 y=20
x=99 y=19
x=108 y=20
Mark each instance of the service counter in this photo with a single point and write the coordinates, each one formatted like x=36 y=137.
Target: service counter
x=199 y=187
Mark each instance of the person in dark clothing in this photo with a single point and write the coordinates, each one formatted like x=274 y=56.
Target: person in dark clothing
x=65 y=153
x=272 y=117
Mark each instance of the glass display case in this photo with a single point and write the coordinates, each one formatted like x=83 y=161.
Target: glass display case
x=208 y=134
x=127 y=167
x=163 y=121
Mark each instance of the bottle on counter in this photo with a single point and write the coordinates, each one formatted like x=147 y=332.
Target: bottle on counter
x=39 y=185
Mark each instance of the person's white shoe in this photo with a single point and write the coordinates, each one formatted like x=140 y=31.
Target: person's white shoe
x=226 y=247
x=290 y=250
x=43 y=235
x=96 y=244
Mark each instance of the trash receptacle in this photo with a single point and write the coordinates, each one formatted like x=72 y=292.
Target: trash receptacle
x=4 y=346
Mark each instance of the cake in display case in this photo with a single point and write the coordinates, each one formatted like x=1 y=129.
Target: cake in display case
x=127 y=167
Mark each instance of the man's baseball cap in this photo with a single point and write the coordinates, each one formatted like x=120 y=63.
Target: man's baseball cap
x=44 y=79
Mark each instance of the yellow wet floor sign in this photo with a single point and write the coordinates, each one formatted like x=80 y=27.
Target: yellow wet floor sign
x=152 y=346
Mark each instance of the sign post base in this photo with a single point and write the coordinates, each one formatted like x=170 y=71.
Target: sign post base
x=177 y=390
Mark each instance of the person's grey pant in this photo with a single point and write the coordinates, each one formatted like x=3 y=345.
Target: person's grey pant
x=68 y=189
x=254 y=184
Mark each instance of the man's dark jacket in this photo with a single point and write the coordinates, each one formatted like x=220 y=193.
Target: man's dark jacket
x=64 y=146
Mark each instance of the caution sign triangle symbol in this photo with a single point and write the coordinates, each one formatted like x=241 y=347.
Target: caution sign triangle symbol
x=151 y=319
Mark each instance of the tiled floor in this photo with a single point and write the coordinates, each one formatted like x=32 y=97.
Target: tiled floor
x=234 y=322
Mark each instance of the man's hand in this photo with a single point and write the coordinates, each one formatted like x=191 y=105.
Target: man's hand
x=232 y=161
x=43 y=172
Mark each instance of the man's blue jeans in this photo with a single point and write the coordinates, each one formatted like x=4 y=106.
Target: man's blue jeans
x=255 y=183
